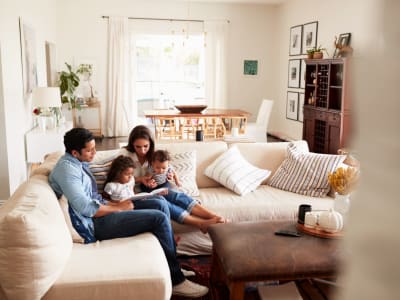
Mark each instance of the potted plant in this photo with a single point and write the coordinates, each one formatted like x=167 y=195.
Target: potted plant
x=69 y=81
x=310 y=53
x=316 y=52
x=86 y=71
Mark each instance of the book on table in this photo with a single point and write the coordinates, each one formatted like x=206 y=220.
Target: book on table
x=145 y=195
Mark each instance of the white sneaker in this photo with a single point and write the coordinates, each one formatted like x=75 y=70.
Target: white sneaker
x=187 y=273
x=189 y=289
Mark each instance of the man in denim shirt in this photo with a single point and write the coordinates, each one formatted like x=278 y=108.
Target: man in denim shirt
x=94 y=218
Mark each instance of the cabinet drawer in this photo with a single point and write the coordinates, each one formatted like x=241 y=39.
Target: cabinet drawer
x=320 y=115
x=334 y=119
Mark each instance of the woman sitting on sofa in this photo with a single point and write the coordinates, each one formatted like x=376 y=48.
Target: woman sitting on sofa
x=183 y=209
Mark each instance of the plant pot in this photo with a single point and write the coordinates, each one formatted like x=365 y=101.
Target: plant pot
x=318 y=55
x=310 y=55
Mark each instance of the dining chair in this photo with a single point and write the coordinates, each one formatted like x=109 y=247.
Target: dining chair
x=258 y=130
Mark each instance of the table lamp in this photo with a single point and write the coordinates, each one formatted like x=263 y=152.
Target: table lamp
x=46 y=98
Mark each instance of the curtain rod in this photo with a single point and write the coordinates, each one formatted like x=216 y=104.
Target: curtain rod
x=162 y=19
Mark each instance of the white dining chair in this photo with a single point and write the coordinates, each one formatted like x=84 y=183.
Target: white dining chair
x=258 y=130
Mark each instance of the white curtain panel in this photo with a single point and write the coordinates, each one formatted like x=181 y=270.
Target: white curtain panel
x=118 y=105
x=216 y=65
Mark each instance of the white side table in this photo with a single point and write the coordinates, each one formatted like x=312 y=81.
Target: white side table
x=39 y=142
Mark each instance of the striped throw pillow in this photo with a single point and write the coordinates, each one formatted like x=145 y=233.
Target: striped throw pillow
x=235 y=173
x=305 y=173
x=184 y=164
x=100 y=169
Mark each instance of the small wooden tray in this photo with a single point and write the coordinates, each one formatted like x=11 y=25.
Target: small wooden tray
x=319 y=232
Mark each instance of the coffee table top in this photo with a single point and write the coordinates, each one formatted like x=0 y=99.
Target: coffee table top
x=251 y=251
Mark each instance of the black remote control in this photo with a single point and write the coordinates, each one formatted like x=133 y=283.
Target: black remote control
x=286 y=232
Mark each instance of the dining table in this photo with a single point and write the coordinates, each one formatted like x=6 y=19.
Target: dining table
x=212 y=122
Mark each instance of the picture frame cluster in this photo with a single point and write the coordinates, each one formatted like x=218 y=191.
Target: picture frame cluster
x=302 y=38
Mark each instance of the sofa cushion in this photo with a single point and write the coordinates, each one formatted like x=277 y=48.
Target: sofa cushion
x=305 y=173
x=123 y=268
x=35 y=244
x=184 y=163
x=234 y=172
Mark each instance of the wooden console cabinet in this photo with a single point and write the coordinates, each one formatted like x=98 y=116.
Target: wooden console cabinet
x=326 y=125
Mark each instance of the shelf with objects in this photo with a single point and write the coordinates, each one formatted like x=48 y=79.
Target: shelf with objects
x=89 y=117
x=326 y=125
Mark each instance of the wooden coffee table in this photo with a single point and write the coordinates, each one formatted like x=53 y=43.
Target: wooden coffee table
x=248 y=252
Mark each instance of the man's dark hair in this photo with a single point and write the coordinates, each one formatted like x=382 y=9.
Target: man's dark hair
x=76 y=139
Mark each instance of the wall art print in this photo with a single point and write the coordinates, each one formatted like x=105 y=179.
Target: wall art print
x=28 y=57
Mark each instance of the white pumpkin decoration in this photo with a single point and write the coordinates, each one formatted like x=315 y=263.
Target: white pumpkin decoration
x=331 y=221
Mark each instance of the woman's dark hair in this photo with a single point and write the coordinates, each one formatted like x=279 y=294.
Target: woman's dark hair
x=76 y=139
x=161 y=156
x=141 y=132
x=119 y=164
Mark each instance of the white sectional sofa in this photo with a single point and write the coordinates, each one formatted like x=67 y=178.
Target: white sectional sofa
x=38 y=259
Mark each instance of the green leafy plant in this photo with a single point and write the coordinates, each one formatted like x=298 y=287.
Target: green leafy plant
x=69 y=81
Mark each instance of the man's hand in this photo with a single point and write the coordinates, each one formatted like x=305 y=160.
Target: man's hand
x=112 y=207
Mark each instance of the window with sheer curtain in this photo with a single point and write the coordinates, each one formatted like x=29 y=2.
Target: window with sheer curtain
x=169 y=70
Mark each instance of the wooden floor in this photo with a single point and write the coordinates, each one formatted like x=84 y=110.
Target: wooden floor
x=113 y=143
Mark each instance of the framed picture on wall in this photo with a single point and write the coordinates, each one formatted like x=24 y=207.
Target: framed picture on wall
x=301 y=107
x=28 y=57
x=310 y=32
x=303 y=74
x=51 y=64
x=292 y=105
x=294 y=73
x=250 y=67
x=295 y=40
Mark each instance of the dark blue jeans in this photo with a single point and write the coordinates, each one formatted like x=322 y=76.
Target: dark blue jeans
x=180 y=205
x=149 y=215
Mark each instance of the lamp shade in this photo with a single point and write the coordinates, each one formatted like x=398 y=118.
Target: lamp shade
x=46 y=97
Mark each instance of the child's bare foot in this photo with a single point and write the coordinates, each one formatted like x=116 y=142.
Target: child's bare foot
x=204 y=224
x=221 y=219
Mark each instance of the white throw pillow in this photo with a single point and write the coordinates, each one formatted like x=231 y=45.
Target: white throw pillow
x=235 y=173
x=184 y=164
x=305 y=173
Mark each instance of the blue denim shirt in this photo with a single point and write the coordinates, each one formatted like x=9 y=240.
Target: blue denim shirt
x=72 y=178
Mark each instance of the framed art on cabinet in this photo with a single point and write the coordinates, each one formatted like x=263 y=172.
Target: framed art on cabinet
x=295 y=40
x=294 y=73
x=28 y=57
x=310 y=31
x=292 y=105
x=301 y=107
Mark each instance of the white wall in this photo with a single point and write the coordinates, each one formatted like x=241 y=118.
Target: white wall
x=16 y=112
x=252 y=36
x=340 y=16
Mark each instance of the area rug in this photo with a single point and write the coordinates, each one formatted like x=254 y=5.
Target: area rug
x=201 y=265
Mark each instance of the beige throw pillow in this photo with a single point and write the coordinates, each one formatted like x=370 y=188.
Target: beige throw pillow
x=184 y=164
x=304 y=172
